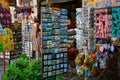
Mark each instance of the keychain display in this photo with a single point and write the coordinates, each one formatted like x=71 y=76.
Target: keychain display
x=80 y=41
x=85 y=63
x=27 y=40
x=104 y=51
x=54 y=42
x=108 y=3
x=91 y=32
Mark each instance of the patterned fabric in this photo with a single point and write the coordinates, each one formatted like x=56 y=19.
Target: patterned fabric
x=101 y=23
x=115 y=22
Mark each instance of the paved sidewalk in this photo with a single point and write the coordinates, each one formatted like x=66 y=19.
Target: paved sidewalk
x=1 y=72
x=1 y=69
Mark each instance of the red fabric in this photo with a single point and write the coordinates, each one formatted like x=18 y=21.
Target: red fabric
x=70 y=26
x=72 y=54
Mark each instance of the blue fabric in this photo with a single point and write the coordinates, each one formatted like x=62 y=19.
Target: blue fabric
x=116 y=19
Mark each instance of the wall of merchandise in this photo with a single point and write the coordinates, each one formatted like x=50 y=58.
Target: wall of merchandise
x=27 y=31
x=17 y=35
x=101 y=3
x=110 y=16
x=54 y=41
x=101 y=20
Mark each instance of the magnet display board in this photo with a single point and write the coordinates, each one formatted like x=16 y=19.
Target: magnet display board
x=54 y=42
x=91 y=34
x=79 y=30
x=27 y=39
x=17 y=35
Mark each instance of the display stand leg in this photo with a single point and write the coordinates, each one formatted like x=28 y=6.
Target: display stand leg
x=101 y=74
x=37 y=55
x=28 y=39
x=4 y=62
x=29 y=45
x=85 y=58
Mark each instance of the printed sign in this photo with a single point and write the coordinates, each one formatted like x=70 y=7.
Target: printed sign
x=54 y=42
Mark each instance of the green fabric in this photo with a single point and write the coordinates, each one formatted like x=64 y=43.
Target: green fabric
x=59 y=78
x=1 y=47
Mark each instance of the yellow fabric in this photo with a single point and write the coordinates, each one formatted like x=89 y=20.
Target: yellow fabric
x=16 y=25
x=8 y=40
x=90 y=1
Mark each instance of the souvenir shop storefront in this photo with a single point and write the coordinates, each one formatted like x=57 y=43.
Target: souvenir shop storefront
x=81 y=40
x=96 y=51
